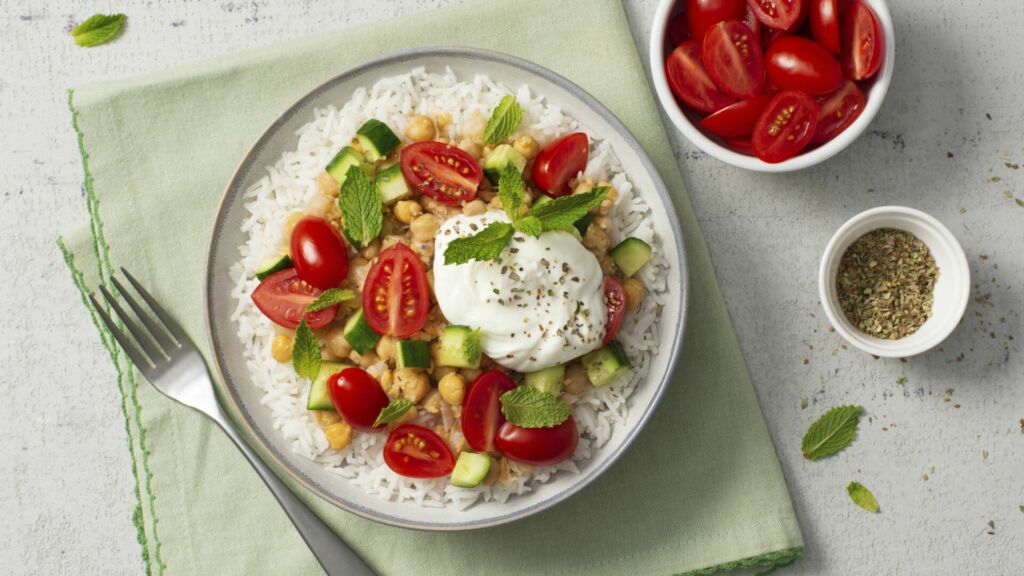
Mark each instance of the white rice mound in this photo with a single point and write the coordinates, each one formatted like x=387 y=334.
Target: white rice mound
x=290 y=186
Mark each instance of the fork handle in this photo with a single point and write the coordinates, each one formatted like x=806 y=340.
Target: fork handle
x=334 y=555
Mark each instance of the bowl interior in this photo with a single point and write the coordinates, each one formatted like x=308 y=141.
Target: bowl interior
x=227 y=237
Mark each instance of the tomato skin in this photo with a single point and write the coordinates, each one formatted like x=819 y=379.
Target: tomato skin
x=559 y=162
x=283 y=298
x=481 y=409
x=825 y=23
x=441 y=171
x=786 y=126
x=385 y=294
x=358 y=398
x=837 y=111
x=796 y=63
x=416 y=452
x=732 y=56
x=751 y=21
x=701 y=15
x=538 y=446
x=778 y=14
x=318 y=253
x=615 y=302
x=861 y=40
x=741 y=145
x=690 y=81
x=736 y=119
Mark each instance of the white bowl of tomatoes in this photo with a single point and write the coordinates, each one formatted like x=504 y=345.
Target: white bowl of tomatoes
x=772 y=85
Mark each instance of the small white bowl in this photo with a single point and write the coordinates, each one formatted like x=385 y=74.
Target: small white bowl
x=952 y=289
x=687 y=121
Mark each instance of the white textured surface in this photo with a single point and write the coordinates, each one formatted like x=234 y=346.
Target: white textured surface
x=952 y=121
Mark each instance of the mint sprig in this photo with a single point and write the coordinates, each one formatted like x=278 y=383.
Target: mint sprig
x=392 y=411
x=329 y=298
x=834 y=431
x=562 y=212
x=306 y=352
x=504 y=120
x=529 y=407
x=98 y=29
x=529 y=225
x=511 y=191
x=486 y=244
x=361 y=207
x=862 y=497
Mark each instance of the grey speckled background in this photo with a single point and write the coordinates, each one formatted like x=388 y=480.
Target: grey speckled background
x=943 y=451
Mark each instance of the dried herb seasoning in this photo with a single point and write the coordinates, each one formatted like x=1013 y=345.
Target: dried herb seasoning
x=886 y=282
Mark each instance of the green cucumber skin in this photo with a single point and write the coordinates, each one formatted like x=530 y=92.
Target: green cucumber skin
x=454 y=343
x=470 y=469
x=498 y=159
x=605 y=365
x=412 y=354
x=282 y=263
x=358 y=333
x=376 y=139
x=319 y=398
x=547 y=379
x=346 y=157
x=631 y=255
x=392 y=185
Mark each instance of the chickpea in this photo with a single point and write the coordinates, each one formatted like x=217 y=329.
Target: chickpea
x=472 y=148
x=474 y=208
x=526 y=146
x=432 y=403
x=389 y=384
x=326 y=417
x=584 y=186
x=339 y=435
x=436 y=208
x=452 y=388
x=390 y=241
x=420 y=128
x=424 y=227
x=473 y=128
x=336 y=343
x=281 y=348
x=327 y=185
x=442 y=371
x=576 y=380
x=635 y=293
x=414 y=383
x=290 y=223
x=371 y=250
x=407 y=210
x=364 y=360
x=321 y=205
x=386 y=348
x=443 y=121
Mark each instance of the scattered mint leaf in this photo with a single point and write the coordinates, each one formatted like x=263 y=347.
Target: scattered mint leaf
x=98 y=29
x=511 y=191
x=529 y=407
x=530 y=226
x=392 y=411
x=832 y=432
x=306 y=352
x=361 y=207
x=562 y=212
x=504 y=120
x=862 y=497
x=331 y=297
x=486 y=244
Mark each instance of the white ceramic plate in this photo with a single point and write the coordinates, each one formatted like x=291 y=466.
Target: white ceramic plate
x=237 y=388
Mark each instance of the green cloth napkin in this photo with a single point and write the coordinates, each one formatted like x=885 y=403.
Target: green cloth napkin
x=700 y=490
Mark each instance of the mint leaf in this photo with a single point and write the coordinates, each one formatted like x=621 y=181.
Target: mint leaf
x=529 y=407
x=331 y=297
x=529 y=225
x=361 y=207
x=862 y=497
x=511 y=191
x=306 y=352
x=504 y=120
x=486 y=244
x=98 y=29
x=562 y=212
x=392 y=411
x=832 y=432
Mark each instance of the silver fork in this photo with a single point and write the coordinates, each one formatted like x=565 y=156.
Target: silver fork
x=170 y=361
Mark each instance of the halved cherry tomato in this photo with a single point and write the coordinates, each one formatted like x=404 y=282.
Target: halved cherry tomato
x=778 y=14
x=318 y=252
x=358 y=398
x=751 y=21
x=283 y=298
x=796 y=63
x=733 y=58
x=481 y=409
x=861 y=40
x=417 y=452
x=441 y=171
x=396 y=296
x=690 y=81
x=770 y=35
x=615 y=302
x=538 y=446
x=678 y=30
x=701 y=15
x=837 y=111
x=559 y=162
x=825 y=23
x=786 y=126
x=736 y=119
x=741 y=145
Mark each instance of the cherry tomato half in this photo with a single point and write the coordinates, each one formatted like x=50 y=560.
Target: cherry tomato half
x=751 y=20
x=737 y=119
x=615 y=302
x=796 y=63
x=837 y=111
x=701 y=15
x=538 y=446
x=690 y=81
x=778 y=14
x=481 y=409
x=417 y=452
x=741 y=145
x=785 y=127
x=732 y=56
x=441 y=171
x=559 y=162
x=283 y=298
x=396 y=296
x=358 y=398
x=318 y=252
x=825 y=23
x=861 y=41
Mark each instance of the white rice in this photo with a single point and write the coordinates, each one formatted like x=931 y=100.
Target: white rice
x=290 y=186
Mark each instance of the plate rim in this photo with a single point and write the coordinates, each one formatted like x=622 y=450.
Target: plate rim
x=226 y=388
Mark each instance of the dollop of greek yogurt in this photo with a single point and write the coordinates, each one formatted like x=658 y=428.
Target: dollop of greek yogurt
x=540 y=304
